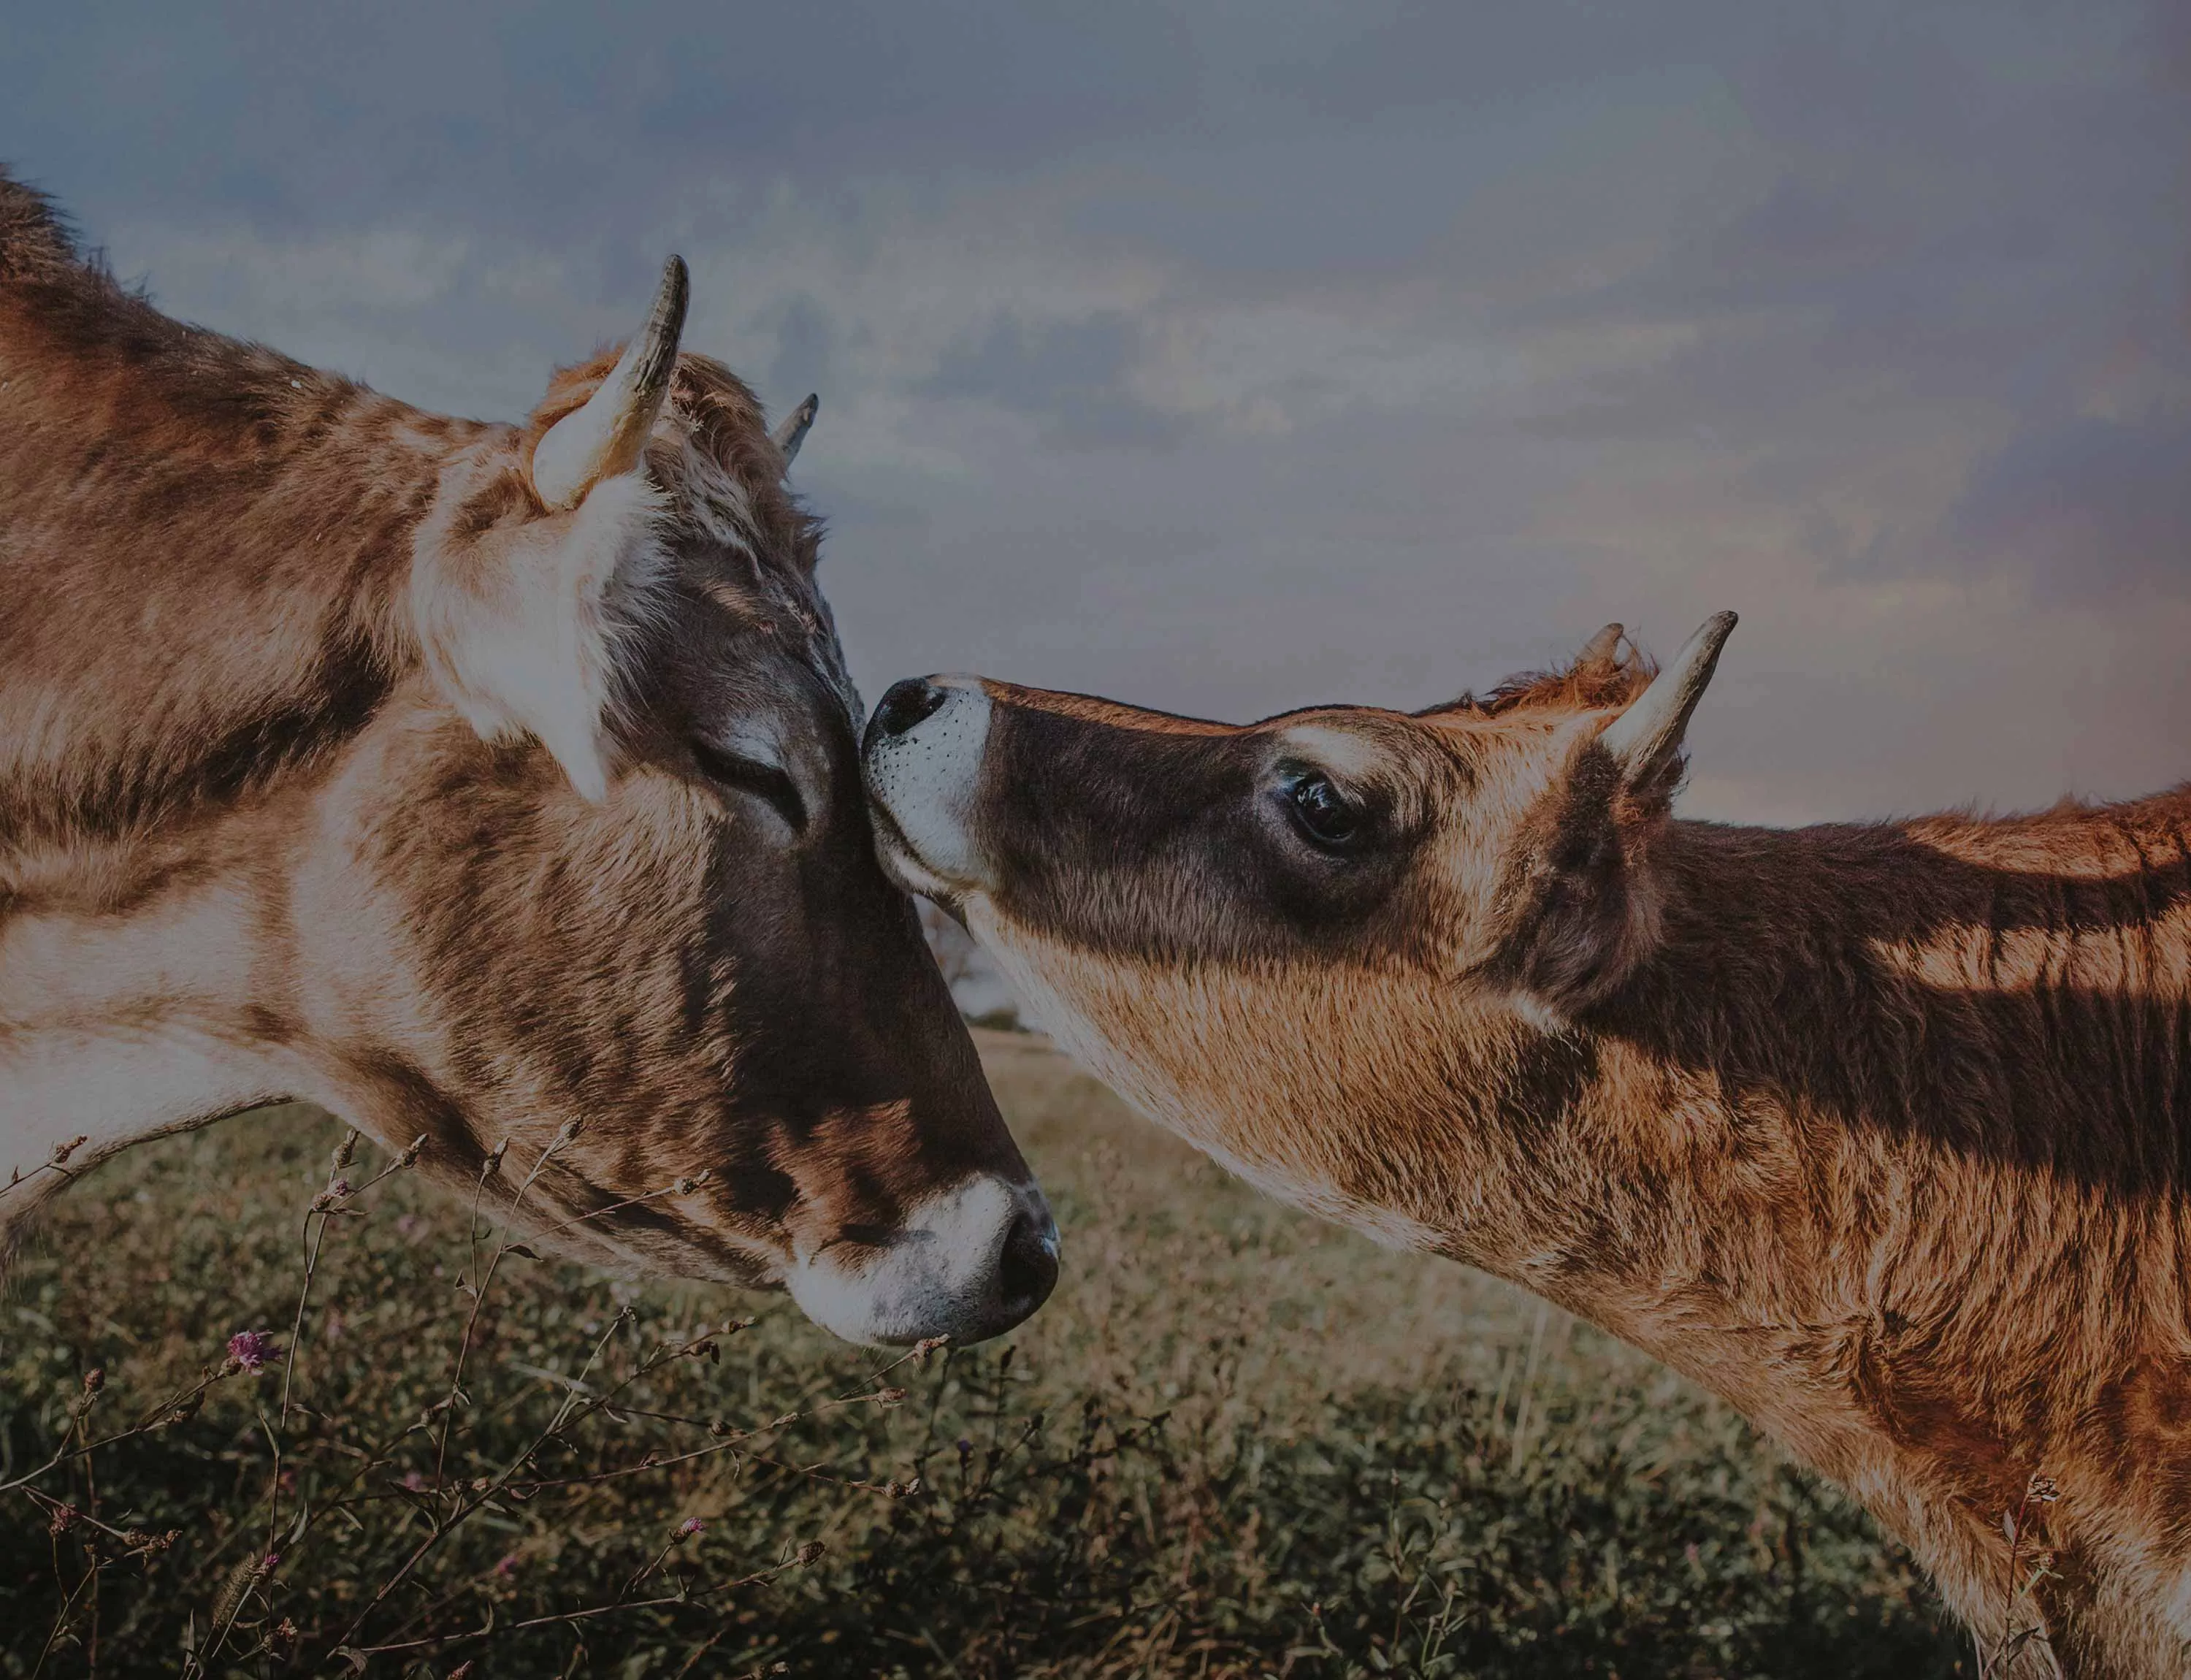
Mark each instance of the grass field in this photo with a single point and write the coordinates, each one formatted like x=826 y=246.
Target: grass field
x=1236 y=1443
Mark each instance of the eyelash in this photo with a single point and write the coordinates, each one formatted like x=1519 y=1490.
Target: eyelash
x=729 y=770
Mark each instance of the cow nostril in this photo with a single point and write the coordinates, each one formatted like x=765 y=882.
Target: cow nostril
x=907 y=704
x=1026 y=1270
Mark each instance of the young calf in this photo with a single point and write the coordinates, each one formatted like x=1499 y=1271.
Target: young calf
x=491 y=783
x=1883 y=1132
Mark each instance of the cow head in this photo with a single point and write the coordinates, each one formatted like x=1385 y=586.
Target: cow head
x=597 y=888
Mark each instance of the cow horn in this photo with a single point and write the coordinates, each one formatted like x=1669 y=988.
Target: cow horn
x=792 y=432
x=1644 y=738
x=1604 y=648
x=607 y=436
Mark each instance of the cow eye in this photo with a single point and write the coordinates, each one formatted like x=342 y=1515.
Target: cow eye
x=1324 y=814
x=735 y=769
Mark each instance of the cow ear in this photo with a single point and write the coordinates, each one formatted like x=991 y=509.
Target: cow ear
x=1586 y=909
x=528 y=619
x=606 y=434
x=531 y=626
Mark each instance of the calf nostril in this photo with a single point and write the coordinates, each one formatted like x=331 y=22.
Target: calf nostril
x=1026 y=1270
x=907 y=704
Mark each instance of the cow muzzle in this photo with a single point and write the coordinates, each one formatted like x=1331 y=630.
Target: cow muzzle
x=968 y=1263
x=921 y=759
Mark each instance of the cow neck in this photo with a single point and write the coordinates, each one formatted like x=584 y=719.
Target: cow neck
x=147 y=987
x=1888 y=1107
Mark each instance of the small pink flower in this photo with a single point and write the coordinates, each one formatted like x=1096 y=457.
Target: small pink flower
x=414 y=1481
x=689 y=1527
x=507 y=1566
x=252 y=1348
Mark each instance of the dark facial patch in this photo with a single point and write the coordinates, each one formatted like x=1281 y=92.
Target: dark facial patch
x=1173 y=839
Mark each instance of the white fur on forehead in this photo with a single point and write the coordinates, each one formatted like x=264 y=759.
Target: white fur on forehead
x=531 y=628
x=1341 y=751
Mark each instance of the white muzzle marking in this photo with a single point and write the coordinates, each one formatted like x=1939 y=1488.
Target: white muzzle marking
x=948 y=1271
x=925 y=781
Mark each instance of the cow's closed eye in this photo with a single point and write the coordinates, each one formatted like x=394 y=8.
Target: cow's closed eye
x=730 y=769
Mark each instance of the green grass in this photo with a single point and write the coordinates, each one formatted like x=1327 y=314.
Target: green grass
x=1236 y=1443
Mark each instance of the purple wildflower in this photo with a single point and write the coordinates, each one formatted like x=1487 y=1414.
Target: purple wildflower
x=689 y=1527
x=252 y=1348
x=507 y=1565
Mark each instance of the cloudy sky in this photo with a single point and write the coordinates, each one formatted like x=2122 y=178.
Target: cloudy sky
x=1227 y=357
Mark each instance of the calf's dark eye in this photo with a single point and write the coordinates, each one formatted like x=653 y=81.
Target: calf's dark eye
x=1325 y=815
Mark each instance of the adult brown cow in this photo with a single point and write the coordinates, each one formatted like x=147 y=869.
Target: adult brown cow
x=1881 y=1132
x=485 y=782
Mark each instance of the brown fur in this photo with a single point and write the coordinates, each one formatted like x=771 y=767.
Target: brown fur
x=1883 y=1132
x=271 y=824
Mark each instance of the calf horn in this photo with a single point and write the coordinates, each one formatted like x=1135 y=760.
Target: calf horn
x=1604 y=648
x=1644 y=738
x=793 y=431
x=607 y=436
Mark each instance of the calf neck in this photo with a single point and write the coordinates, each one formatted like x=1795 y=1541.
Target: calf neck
x=1881 y=1132
x=494 y=785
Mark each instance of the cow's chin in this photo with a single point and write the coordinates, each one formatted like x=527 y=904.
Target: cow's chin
x=906 y=867
x=685 y=1254
x=964 y=1264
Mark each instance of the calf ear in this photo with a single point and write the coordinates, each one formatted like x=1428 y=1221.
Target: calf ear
x=1586 y=912
x=527 y=619
x=1646 y=742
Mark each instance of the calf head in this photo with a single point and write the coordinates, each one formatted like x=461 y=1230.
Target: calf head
x=1327 y=947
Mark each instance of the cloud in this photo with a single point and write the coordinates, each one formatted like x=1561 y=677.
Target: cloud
x=1071 y=377
x=2097 y=510
x=1229 y=359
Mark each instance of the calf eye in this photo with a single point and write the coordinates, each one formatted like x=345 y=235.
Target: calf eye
x=1325 y=815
